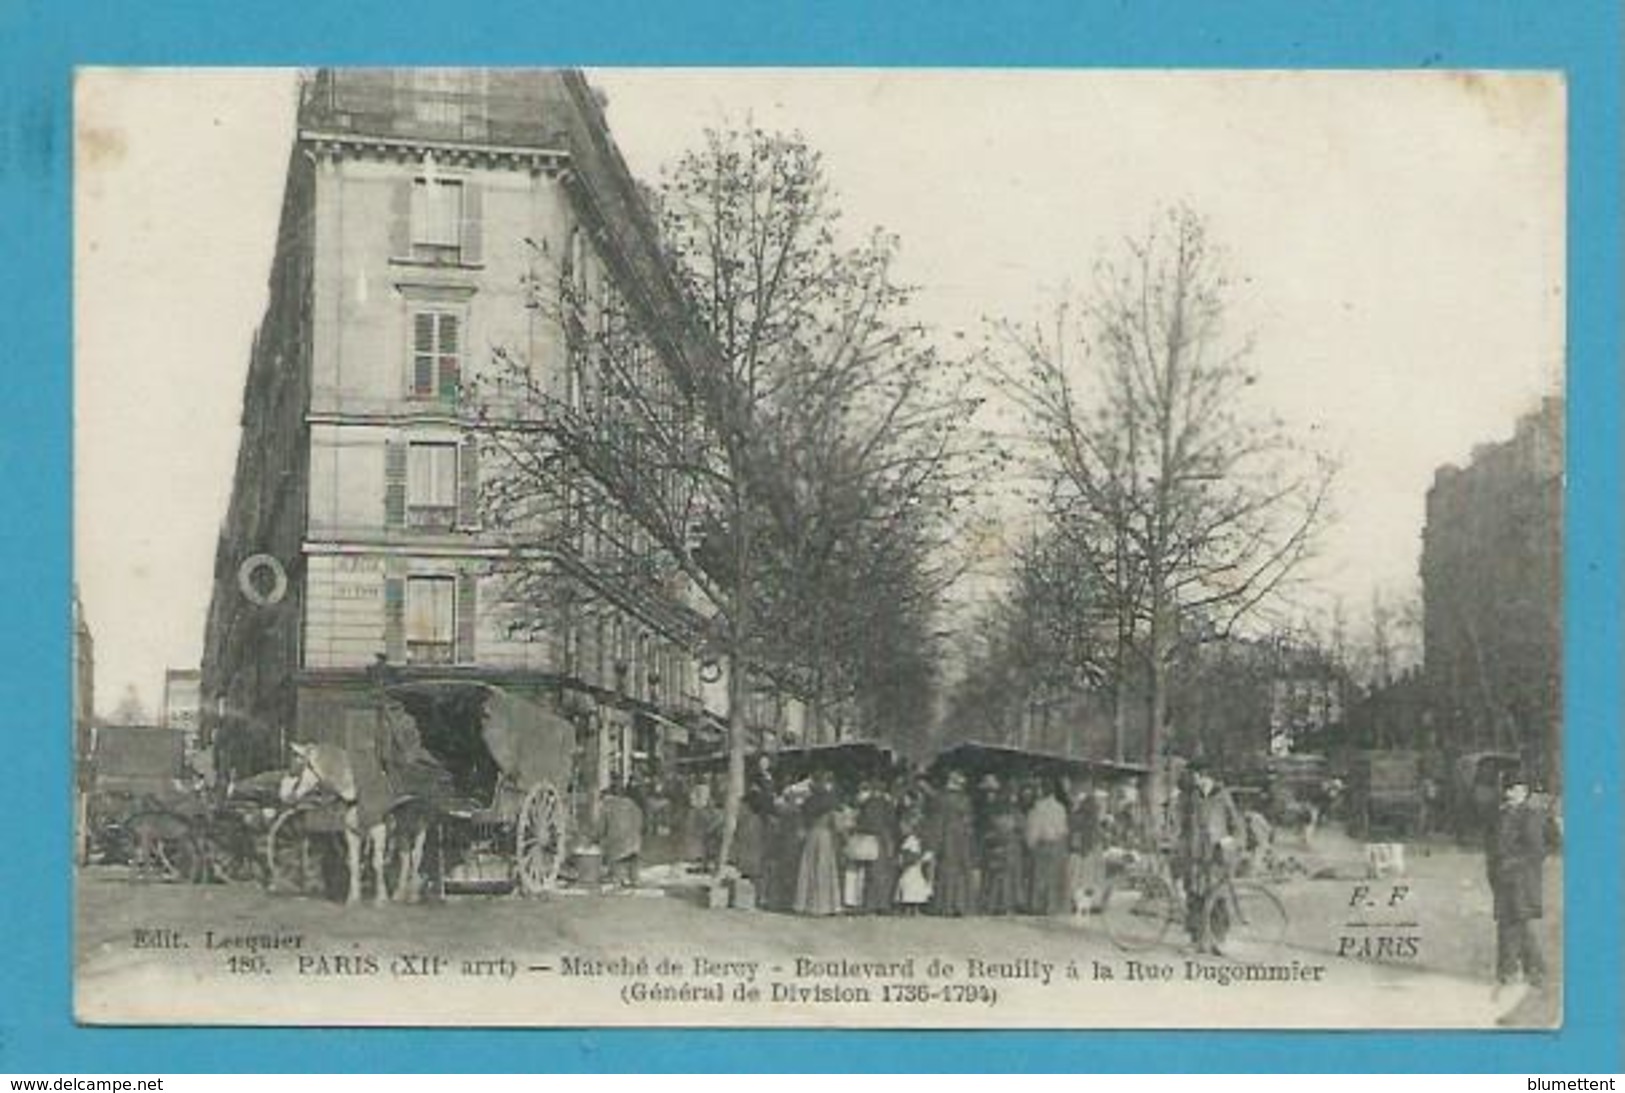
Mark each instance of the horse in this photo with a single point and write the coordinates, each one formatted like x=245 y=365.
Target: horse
x=371 y=817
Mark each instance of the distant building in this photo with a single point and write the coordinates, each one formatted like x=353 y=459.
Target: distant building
x=183 y=703
x=1304 y=705
x=84 y=677
x=1492 y=576
x=84 y=723
x=416 y=207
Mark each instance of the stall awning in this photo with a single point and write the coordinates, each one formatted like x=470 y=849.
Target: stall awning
x=975 y=758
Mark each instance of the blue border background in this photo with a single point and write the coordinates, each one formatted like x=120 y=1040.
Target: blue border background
x=40 y=42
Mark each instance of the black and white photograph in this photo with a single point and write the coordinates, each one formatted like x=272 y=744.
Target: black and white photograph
x=871 y=548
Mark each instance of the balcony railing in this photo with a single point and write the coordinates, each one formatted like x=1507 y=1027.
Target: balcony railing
x=431 y=517
x=429 y=652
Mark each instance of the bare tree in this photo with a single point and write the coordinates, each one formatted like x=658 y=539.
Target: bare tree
x=767 y=509
x=1190 y=508
x=130 y=710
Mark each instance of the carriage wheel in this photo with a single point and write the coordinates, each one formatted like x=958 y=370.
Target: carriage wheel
x=287 y=852
x=1138 y=909
x=540 y=839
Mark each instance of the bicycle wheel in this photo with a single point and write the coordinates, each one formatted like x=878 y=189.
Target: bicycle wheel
x=1138 y=910
x=1245 y=922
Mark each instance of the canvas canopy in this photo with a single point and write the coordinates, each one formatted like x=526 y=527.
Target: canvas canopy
x=976 y=759
x=530 y=743
x=849 y=761
x=137 y=756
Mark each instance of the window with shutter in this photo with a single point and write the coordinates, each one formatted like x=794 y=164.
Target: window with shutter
x=436 y=354
x=431 y=487
x=430 y=620
x=437 y=220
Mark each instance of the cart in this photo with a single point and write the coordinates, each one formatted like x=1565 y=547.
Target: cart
x=1387 y=797
x=517 y=838
x=514 y=837
x=139 y=804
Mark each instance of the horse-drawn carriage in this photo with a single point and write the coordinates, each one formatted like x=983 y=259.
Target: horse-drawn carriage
x=496 y=824
x=144 y=810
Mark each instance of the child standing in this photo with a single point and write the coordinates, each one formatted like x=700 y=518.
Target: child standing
x=914 y=882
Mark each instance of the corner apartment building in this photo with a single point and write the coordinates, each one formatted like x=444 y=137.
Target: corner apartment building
x=417 y=203
x=1492 y=596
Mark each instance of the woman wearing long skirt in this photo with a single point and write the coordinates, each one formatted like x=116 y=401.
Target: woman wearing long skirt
x=877 y=819
x=1086 y=869
x=753 y=851
x=952 y=844
x=691 y=831
x=818 y=882
x=1004 y=858
x=785 y=842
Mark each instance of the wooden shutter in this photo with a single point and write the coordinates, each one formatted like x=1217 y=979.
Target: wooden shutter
x=468 y=483
x=395 y=619
x=450 y=356
x=472 y=229
x=467 y=609
x=400 y=218
x=394 y=484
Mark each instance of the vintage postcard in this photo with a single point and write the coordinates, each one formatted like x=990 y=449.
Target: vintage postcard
x=890 y=548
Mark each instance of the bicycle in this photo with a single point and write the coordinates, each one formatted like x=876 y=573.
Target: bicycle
x=1141 y=903
x=1240 y=919
x=1243 y=919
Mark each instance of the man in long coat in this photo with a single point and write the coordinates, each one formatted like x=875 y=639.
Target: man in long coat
x=621 y=820
x=1515 y=857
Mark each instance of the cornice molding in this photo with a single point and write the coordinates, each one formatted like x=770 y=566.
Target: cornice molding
x=450 y=153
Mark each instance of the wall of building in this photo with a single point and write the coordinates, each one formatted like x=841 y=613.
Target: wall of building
x=327 y=477
x=251 y=651
x=1492 y=596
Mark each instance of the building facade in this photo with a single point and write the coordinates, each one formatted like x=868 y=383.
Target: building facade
x=84 y=724
x=420 y=210
x=183 y=700
x=1492 y=579
x=84 y=677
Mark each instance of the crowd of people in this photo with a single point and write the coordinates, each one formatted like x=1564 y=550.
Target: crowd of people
x=896 y=842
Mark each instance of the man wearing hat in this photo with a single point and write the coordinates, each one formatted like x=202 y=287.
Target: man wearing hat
x=1514 y=856
x=1211 y=831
